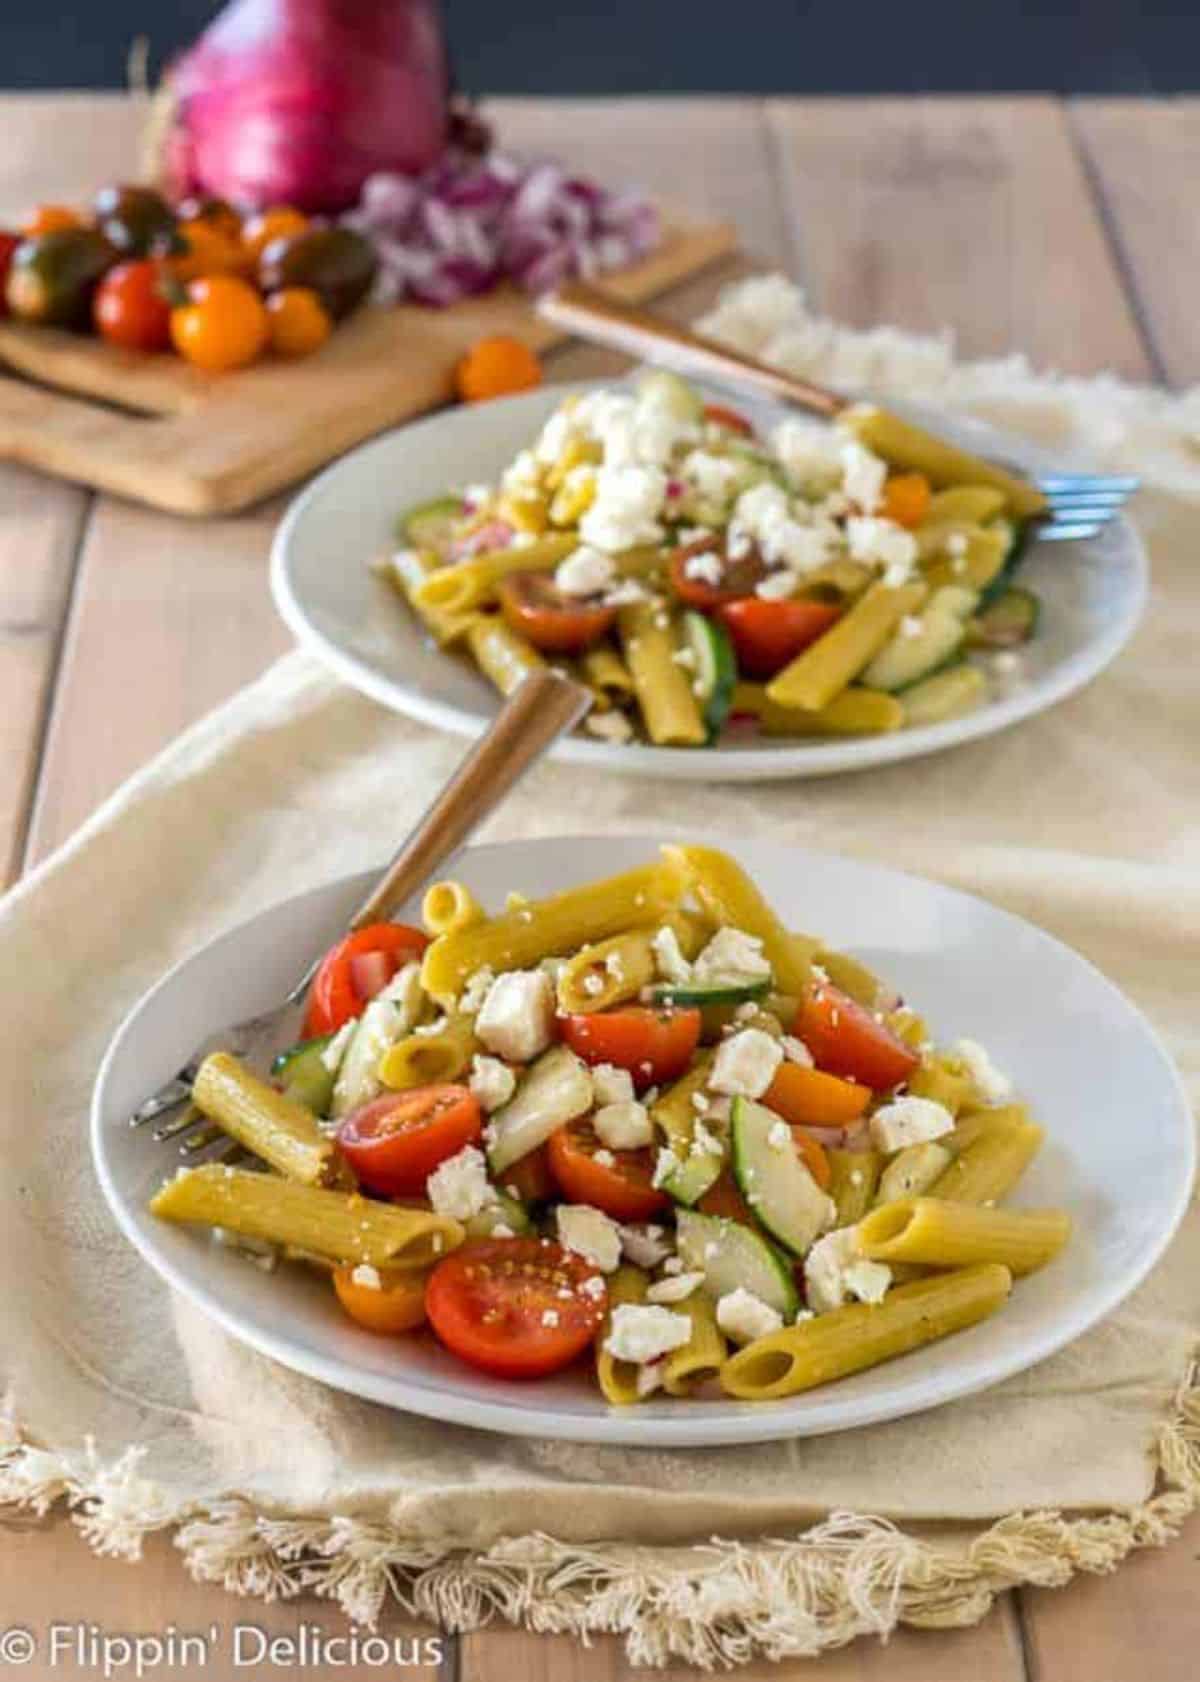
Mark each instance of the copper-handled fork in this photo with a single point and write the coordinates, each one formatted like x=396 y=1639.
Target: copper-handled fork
x=1076 y=504
x=541 y=709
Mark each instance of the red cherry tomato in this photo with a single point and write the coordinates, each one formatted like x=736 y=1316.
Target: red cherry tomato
x=130 y=309
x=535 y=607
x=654 y=1043
x=845 y=1039
x=622 y=1187
x=738 y=577
x=730 y=419
x=341 y=987
x=395 y=1142
x=529 y=1178
x=768 y=635
x=516 y=1307
x=8 y=244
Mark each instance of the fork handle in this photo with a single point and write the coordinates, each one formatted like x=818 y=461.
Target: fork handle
x=595 y=315
x=538 y=711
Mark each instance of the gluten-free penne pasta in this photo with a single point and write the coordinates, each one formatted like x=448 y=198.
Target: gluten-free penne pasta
x=276 y=1128
x=448 y=907
x=995 y=1147
x=937 y=1233
x=702 y=1356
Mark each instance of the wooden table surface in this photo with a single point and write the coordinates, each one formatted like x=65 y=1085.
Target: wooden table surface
x=1066 y=231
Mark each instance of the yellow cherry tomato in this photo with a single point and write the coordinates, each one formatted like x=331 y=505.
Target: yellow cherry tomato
x=396 y=1304
x=208 y=251
x=280 y=222
x=299 y=321
x=223 y=325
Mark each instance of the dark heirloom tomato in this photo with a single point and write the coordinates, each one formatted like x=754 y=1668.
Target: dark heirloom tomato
x=354 y=970
x=738 y=578
x=557 y=624
x=845 y=1039
x=394 y=1143
x=767 y=636
x=620 y=1183
x=516 y=1307
x=653 y=1042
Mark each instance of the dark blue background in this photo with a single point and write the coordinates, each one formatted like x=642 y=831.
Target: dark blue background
x=680 y=46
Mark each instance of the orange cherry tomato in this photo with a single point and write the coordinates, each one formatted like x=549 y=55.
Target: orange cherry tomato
x=49 y=219
x=208 y=250
x=535 y=607
x=724 y=1198
x=516 y=1307
x=353 y=971
x=730 y=419
x=906 y=498
x=279 y=222
x=654 y=1043
x=299 y=321
x=620 y=1183
x=813 y=1155
x=529 y=1179
x=130 y=308
x=767 y=636
x=217 y=213
x=495 y=368
x=394 y=1143
x=396 y=1304
x=222 y=326
x=738 y=578
x=845 y=1039
x=813 y=1098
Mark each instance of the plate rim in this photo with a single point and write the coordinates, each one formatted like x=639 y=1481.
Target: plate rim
x=757 y=764
x=737 y=1423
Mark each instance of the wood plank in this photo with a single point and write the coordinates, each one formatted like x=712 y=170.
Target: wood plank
x=1144 y=157
x=966 y=214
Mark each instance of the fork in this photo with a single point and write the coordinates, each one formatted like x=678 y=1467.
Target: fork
x=1077 y=504
x=539 y=710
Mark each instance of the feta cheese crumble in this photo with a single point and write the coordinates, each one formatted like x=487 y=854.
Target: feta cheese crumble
x=864 y=475
x=744 y=1318
x=609 y=727
x=459 y=1186
x=745 y=1064
x=626 y=508
x=676 y=1287
x=668 y=956
x=908 y=1121
x=642 y=1332
x=517 y=1018
x=624 y=1126
x=795 y=1051
x=586 y=572
x=732 y=955
x=645 y=1246
x=611 y=1085
x=591 y=1234
x=991 y=1083
x=492 y=1082
x=835 y=1269
x=367 y=1276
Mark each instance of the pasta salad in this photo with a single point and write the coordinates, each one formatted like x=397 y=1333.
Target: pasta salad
x=639 y=1125
x=703 y=580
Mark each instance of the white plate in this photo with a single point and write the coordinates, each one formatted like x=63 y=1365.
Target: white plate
x=1119 y=1153
x=1092 y=597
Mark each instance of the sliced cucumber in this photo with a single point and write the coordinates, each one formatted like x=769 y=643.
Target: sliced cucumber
x=1017 y=534
x=907 y=659
x=505 y=1211
x=671 y=392
x=1006 y=622
x=715 y=670
x=945 y=695
x=432 y=525
x=715 y=993
x=555 y=1090
x=302 y=1074
x=390 y=1015
x=732 y=1257
x=957 y=599
x=774 y=1181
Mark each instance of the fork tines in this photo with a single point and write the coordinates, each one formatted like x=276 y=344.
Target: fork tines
x=1081 y=504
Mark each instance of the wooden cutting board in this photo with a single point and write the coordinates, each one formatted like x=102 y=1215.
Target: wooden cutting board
x=155 y=429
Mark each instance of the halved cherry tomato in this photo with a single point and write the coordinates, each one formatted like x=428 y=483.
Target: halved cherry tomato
x=813 y=1098
x=767 y=635
x=529 y=1178
x=130 y=308
x=845 y=1039
x=622 y=1186
x=535 y=606
x=738 y=577
x=812 y=1154
x=729 y=419
x=653 y=1043
x=397 y=1304
x=906 y=498
x=516 y=1307
x=334 y=998
x=395 y=1142
x=724 y=1198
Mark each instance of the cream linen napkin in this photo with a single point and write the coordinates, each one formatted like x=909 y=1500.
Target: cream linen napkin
x=136 y=1410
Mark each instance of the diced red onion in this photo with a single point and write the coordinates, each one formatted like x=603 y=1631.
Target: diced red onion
x=493 y=534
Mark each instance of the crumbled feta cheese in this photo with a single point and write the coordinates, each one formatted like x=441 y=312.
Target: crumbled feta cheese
x=745 y=1064
x=645 y=1246
x=777 y=586
x=704 y=1143
x=668 y=956
x=559 y=432
x=623 y=1126
x=825 y=1268
x=605 y=1158
x=810 y=455
x=676 y=1287
x=956 y=544
x=779 y=1136
x=908 y=1121
x=476 y=991
x=550 y=1316
x=591 y=1234
x=864 y=475
x=884 y=544
x=649 y=1379
x=991 y=1083
x=611 y=1085
x=593 y=1286
x=714 y=478
x=1006 y=663
x=593 y=984
x=517 y=1018
x=586 y=572
x=367 y=1276
x=501 y=1229
x=626 y=508
x=744 y=1318
x=709 y=568
x=492 y=1082
x=869 y=1281
x=764 y=517
x=666 y=1164
x=459 y=1187
x=795 y=1051
x=911 y=625
x=734 y=956
x=522 y=475
x=331 y=1057
x=611 y=726
x=642 y=1332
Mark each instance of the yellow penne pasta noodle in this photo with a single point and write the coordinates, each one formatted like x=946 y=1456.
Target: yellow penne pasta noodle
x=937 y=1233
x=849 y=1340
x=853 y=1179
x=472 y=584
x=501 y=655
x=938 y=1080
x=607 y=973
x=855 y=712
x=853 y=977
x=675 y=1116
x=846 y=577
x=970 y=504
x=338 y=1225
x=406 y=570
x=982 y=560
x=702 y=1356
x=603 y=668
x=663 y=688
x=828 y=665
x=992 y=1156
x=906 y=446
x=729 y=897
x=277 y=1129
x=449 y=906
x=431 y=1055
x=912 y=1171
x=618 y=1379
x=908 y=1026
x=549 y=927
